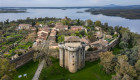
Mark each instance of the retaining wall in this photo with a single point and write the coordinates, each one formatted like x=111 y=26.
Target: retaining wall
x=23 y=59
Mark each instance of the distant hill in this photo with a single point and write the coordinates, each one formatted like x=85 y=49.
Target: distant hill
x=129 y=12
x=111 y=5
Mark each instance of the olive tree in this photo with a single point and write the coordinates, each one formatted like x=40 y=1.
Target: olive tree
x=7 y=70
x=107 y=61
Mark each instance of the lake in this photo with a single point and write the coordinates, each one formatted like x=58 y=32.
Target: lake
x=134 y=25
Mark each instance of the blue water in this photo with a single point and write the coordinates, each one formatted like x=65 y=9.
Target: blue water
x=134 y=25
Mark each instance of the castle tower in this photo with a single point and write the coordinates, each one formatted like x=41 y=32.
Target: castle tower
x=61 y=55
x=72 y=54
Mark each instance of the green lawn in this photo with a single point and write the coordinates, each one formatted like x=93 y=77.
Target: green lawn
x=92 y=71
x=28 y=69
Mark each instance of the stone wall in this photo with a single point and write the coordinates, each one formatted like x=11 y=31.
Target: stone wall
x=113 y=43
x=54 y=53
x=89 y=55
x=23 y=59
x=94 y=55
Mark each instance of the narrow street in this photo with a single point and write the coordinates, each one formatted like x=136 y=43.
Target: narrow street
x=42 y=63
x=38 y=71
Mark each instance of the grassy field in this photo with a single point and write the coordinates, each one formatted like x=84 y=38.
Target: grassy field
x=28 y=69
x=92 y=71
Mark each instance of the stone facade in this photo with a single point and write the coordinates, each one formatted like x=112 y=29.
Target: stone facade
x=72 y=54
x=24 y=26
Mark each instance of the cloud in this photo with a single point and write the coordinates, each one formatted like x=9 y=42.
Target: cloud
x=59 y=3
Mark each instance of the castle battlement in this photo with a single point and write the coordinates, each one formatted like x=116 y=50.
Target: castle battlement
x=72 y=48
x=72 y=56
x=61 y=45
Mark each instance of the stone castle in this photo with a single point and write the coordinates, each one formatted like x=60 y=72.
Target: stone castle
x=72 y=53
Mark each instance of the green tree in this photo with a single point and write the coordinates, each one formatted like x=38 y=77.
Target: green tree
x=7 y=70
x=6 y=77
x=66 y=21
x=60 y=38
x=89 y=22
x=42 y=53
x=98 y=23
x=107 y=61
x=137 y=67
x=33 y=23
x=78 y=22
x=125 y=34
x=124 y=69
x=123 y=44
x=82 y=33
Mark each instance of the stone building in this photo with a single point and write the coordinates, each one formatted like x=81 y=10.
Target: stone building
x=78 y=28
x=100 y=44
x=72 y=53
x=24 y=26
x=61 y=27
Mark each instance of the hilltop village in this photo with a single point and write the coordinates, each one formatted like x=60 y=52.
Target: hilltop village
x=70 y=37
x=72 y=42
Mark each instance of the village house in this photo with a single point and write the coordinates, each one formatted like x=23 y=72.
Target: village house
x=97 y=28
x=61 y=27
x=24 y=26
x=41 y=36
x=115 y=33
x=78 y=28
x=108 y=36
x=86 y=41
x=100 y=44
x=99 y=34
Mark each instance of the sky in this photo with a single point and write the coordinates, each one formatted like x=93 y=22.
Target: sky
x=64 y=3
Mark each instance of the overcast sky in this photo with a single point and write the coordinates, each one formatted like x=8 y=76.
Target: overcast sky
x=62 y=3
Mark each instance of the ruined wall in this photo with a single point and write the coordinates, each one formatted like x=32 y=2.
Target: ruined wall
x=113 y=43
x=54 y=53
x=94 y=55
x=23 y=59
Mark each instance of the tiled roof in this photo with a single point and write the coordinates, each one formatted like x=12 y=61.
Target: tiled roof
x=85 y=40
x=60 y=26
x=24 y=25
x=72 y=38
x=102 y=42
x=81 y=27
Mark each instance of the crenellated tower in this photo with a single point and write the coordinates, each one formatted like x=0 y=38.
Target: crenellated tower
x=72 y=53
